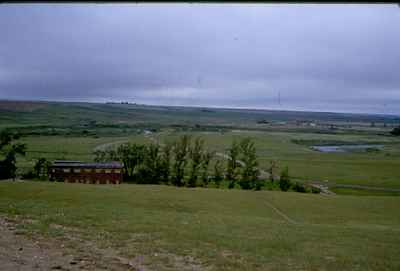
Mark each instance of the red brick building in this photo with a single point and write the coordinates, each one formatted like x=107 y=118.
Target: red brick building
x=92 y=173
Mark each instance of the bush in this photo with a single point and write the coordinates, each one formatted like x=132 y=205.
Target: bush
x=218 y=173
x=396 y=131
x=315 y=190
x=41 y=168
x=272 y=186
x=259 y=184
x=298 y=187
x=284 y=182
x=29 y=175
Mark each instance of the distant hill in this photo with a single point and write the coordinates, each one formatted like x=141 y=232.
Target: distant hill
x=36 y=113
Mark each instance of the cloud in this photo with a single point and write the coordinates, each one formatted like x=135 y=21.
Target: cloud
x=342 y=57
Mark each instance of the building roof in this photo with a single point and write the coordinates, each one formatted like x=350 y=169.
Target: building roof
x=79 y=164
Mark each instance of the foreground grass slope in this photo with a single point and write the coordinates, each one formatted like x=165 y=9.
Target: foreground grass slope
x=222 y=229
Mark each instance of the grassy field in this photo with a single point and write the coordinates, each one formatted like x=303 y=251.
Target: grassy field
x=363 y=192
x=220 y=229
x=381 y=169
x=73 y=130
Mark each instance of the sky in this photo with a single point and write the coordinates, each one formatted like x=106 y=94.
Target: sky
x=338 y=57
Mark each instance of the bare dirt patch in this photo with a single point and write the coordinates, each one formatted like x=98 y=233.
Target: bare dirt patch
x=19 y=251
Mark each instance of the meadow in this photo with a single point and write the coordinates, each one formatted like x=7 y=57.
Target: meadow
x=376 y=169
x=381 y=169
x=56 y=130
x=218 y=229
x=170 y=228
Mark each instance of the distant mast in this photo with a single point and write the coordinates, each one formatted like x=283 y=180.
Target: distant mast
x=279 y=99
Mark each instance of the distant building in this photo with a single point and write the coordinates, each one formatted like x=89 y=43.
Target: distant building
x=91 y=173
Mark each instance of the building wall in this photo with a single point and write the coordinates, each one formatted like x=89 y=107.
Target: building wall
x=82 y=175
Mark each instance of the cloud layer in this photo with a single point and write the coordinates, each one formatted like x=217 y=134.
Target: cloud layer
x=315 y=57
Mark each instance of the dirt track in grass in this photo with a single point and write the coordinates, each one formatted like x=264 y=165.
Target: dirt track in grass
x=20 y=252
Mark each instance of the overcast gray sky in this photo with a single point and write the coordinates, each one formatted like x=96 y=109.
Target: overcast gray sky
x=343 y=58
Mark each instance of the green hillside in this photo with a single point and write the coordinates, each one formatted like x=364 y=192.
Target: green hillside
x=219 y=229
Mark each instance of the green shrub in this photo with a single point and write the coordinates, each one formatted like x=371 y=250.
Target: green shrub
x=298 y=187
x=315 y=190
x=272 y=186
x=29 y=175
x=284 y=182
x=396 y=131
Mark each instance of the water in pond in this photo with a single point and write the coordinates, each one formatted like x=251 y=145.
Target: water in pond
x=345 y=148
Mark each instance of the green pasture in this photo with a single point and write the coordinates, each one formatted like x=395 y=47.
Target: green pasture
x=220 y=229
x=364 y=168
x=380 y=169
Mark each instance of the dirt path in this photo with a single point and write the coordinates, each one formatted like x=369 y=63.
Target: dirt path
x=23 y=253
x=105 y=146
x=18 y=252
x=71 y=252
x=323 y=188
x=280 y=213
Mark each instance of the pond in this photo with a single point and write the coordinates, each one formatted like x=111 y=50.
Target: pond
x=346 y=148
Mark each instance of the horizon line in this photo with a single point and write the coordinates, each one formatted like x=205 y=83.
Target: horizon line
x=199 y=106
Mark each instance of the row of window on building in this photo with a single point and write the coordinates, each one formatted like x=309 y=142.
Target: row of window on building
x=87 y=181
x=88 y=170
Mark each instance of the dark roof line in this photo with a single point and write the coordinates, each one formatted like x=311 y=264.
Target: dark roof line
x=78 y=164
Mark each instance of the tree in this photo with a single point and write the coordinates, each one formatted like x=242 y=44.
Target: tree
x=232 y=166
x=284 y=182
x=9 y=151
x=196 y=156
x=206 y=158
x=41 y=168
x=165 y=162
x=180 y=150
x=132 y=155
x=396 y=131
x=218 y=173
x=272 y=170
x=107 y=155
x=100 y=156
x=150 y=172
x=249 y=172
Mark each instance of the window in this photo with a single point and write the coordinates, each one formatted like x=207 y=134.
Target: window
x=108 y=170
x=117 y=171
x=77 y=170
x=98 y=170
x=66 y=170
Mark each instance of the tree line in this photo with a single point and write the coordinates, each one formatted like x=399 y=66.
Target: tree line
x=187 y=161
